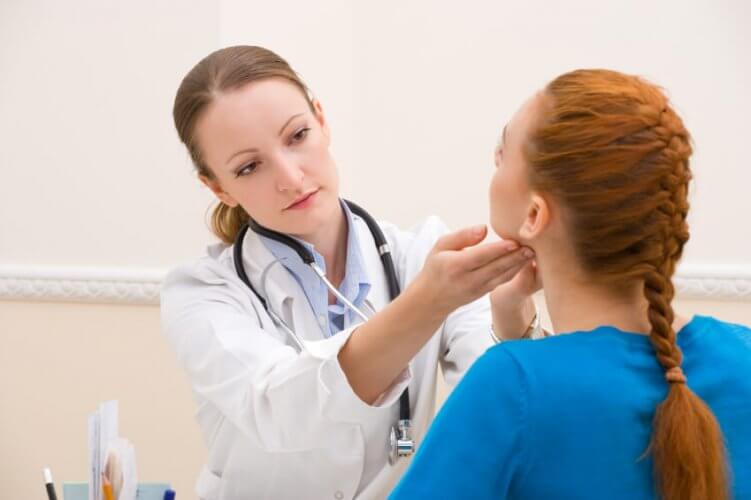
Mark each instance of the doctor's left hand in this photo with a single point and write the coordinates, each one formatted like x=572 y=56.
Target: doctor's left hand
x=511 y=302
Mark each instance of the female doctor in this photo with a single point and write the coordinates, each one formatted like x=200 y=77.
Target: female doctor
x=298 y=396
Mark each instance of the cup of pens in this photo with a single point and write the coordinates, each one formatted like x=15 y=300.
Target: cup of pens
x=80 y=490
x=112 y=466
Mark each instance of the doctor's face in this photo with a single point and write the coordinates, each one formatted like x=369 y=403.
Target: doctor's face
x=509 y=189
x=269 y=153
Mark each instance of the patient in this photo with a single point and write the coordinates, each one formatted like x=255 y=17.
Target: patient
x=592 y=173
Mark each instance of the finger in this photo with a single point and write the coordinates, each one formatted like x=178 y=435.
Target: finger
x=480 y=256
x=512 y=259
x=538 y=276
x=502 y=279
x=503 y=270
x=462 y=238
x=527 y=277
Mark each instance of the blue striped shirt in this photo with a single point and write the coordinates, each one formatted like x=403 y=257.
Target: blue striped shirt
x=356 y=284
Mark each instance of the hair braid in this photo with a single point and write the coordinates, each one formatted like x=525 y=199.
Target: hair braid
x=672 y=155
x=684 y=428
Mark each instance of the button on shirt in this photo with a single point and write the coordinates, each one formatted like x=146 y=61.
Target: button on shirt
x=355 y=286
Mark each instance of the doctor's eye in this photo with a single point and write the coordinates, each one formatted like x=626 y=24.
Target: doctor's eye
x=300 y=134
x=246 y=169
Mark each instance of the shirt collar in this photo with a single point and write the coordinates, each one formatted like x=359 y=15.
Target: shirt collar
x=356 y=283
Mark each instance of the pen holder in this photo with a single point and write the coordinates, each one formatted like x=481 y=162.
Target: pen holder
x=145 y=491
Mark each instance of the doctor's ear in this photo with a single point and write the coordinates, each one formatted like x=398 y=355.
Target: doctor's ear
x=321 y=118
x=216 y=188
x=536 y=219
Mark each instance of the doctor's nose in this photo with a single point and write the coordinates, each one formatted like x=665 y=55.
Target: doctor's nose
x=289 y=175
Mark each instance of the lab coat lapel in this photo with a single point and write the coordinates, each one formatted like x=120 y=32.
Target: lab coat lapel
x=378 y=296
x=280 y=289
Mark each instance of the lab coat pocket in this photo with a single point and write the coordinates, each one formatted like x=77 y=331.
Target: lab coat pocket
x=207 y=486
x=293 y=475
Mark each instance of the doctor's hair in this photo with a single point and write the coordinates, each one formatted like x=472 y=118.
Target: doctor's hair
x=611 y=149
x=223 y=71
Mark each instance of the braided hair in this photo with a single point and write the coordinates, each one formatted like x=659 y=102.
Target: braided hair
x=613 y=151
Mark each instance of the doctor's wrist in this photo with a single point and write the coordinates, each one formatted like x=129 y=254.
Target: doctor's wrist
x=515 y=323
x=425 y=301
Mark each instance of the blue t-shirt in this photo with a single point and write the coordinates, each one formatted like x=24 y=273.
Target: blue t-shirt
x=570 y=417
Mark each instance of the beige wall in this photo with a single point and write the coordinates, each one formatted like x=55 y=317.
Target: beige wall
x=60 y=360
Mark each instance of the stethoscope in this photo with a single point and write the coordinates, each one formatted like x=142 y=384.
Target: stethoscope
x=400 y=438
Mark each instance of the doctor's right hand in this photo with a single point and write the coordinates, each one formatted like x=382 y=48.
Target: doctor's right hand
x=460 y=269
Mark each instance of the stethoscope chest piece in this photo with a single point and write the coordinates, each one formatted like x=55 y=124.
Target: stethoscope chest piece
x=402 y=444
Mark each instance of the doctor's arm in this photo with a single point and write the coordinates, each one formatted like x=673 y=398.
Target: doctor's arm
x=458 y=270
x=244 y=370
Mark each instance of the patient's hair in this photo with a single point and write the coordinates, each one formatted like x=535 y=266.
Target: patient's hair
x=612 y=150
x=223 y=71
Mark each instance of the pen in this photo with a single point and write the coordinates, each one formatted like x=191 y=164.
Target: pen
x=51 y=495
x=107 y=489
x=169 y=495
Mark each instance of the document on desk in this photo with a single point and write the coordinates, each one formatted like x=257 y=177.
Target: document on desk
x=110 y=455
x=102 y=430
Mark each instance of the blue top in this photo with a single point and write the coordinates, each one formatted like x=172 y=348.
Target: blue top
x=569 y=417
x=355 y=285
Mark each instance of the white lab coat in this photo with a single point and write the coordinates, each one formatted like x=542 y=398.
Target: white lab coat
x=287 y=425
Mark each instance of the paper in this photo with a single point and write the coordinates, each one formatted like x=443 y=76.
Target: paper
x=120 y=469
x=111 y=455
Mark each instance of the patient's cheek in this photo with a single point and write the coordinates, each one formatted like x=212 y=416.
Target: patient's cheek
x=505 y=230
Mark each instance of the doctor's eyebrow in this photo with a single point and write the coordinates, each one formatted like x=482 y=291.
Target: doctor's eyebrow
x=287 y=122
x=255 y=150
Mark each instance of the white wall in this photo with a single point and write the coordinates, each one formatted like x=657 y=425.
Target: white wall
x=416 y=91
x=98 y=198
x=92 y=171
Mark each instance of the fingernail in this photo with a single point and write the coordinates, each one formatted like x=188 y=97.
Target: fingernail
x=528 y=253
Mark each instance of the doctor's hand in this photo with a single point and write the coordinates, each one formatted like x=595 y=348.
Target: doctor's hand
x=460 y=269
x=512 y=305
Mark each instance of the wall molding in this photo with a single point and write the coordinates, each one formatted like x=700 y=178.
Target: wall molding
x=81 y=284
x=141 y=286
x=714 y=282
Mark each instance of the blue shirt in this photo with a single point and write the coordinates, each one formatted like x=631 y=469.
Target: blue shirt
x=569 y=417
x=355 y=286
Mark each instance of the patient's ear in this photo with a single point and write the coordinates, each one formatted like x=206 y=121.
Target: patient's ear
x=537 y=218
x=216 y=188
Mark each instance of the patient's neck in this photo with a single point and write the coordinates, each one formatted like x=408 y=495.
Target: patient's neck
x=577 y=303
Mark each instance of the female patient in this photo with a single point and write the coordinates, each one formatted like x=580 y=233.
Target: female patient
x=633 y=402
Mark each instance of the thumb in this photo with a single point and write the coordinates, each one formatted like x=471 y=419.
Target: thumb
x=462 y=238
x=529 y=278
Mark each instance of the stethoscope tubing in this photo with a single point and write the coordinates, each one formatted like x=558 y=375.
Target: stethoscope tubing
x=384 y=252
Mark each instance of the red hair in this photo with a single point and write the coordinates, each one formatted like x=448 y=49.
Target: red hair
x=612 y=150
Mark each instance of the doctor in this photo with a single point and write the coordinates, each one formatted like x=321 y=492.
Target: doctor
x=298 y=396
